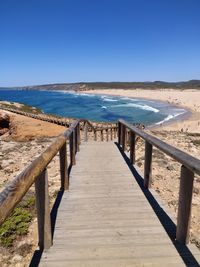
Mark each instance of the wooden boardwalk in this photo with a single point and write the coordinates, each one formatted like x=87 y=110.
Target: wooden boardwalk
x=104 y=218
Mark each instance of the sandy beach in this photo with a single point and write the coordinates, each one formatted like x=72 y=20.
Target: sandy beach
x=188 y=99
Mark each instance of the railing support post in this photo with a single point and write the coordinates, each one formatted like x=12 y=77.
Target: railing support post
x=148 y=165
x=85 y=132
x=184 y=206
x=119 y=133
x=132 y=147
x=123 y=134
x=78 y=137
x=102 y=135
x=107 y=134
x=95 y=135
x=64 y=168
x=43 y=211
x=72 y=149
x=111 y=134
x=115 y=129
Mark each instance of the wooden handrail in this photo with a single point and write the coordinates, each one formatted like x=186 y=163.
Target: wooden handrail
x=190 y=165
x=189 y=161
x=36 y=173
x=15 y=191
x=60 y=121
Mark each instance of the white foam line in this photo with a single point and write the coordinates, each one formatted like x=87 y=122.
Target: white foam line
x=132 y=105
x=83 y=94
x=109 y=100
x=104 y=107
x=169 y=117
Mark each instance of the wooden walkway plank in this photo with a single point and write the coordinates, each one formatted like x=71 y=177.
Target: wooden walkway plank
x=104 y=218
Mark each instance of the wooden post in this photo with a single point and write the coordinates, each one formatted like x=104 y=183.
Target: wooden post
x=147 y=165
x=111 y=134
x=85 y=132
x=123 y=137
x=132 y=147
x=102 y=135
x=78 y=137
x=107 y=134
x=72 y=149
x=43 y=211
x=115 y=132
x=184 y=206
x=64 y=168
x=95 y=135
x=119 y=133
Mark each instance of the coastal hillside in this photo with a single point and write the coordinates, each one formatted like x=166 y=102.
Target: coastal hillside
x=192 y=84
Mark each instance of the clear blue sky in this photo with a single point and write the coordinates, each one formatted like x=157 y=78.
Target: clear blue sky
x=47 y=41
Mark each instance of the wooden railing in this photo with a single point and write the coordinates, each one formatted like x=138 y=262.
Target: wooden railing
x=107 y=131
x=36 y=173
x=190 y=165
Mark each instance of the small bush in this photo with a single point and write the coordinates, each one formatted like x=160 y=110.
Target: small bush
x=16 y=225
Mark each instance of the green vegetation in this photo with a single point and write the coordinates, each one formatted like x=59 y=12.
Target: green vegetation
x=192 y=84
x=24 y=108
x=18 y=223
x=144 y=85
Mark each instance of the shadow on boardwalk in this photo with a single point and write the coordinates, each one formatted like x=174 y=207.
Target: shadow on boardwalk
x=38 y=253
x=165 y=220
x=163 y=217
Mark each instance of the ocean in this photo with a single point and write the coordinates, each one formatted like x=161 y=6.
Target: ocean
x=95 y=107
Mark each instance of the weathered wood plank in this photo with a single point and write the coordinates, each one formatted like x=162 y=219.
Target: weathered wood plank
x=132 y=148
x=64 y=167
x=147 y=165
x=104 y=216
x=185 y=204
x=43 y=211
x=187 y=160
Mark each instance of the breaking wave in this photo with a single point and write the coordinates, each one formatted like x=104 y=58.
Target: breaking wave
x=109 y=100
x=139 y=106
x=169 y=117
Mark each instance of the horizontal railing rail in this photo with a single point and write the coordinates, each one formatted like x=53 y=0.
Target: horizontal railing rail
x=36 y=173
x=190 y=166
x=108 y=129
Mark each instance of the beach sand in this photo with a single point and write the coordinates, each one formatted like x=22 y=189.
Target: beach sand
x=188 y=99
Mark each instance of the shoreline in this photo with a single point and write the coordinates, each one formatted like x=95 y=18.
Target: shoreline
x=189 y=121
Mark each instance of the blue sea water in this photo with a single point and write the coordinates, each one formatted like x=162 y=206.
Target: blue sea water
x=95 y=107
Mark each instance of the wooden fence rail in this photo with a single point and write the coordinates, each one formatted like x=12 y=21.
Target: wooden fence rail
x=109 y=130
x=36 y=173
x=190 y=165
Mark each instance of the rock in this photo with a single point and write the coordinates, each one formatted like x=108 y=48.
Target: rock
x=196 y=190
x=170 y=168
x=3 y=131
x=4 y=120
